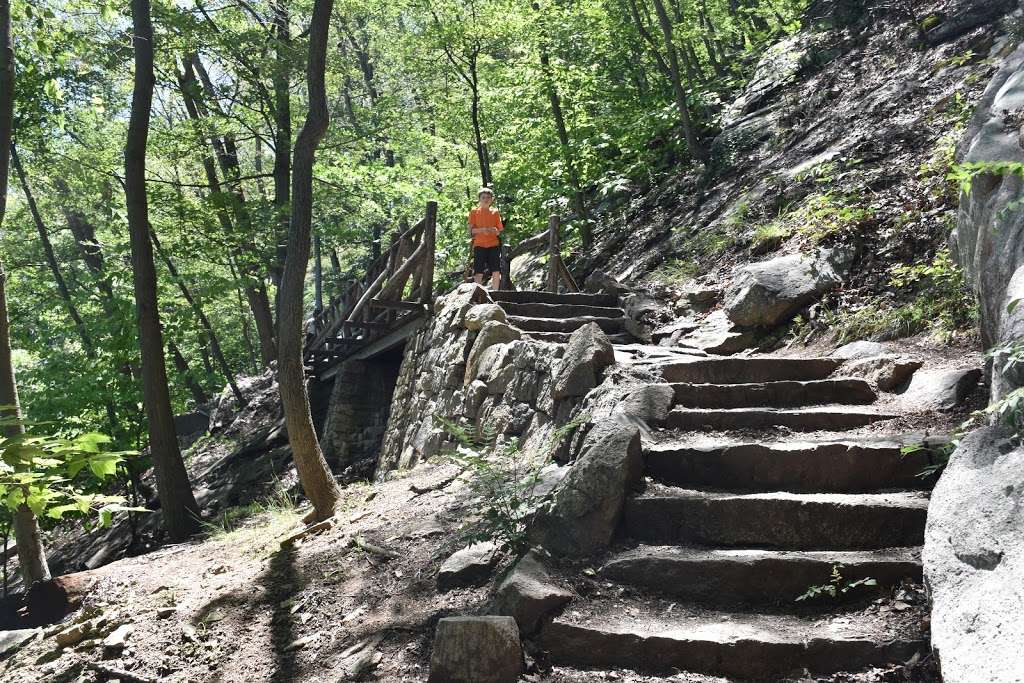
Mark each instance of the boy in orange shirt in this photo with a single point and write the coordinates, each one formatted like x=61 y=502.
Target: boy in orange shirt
x=484 y=226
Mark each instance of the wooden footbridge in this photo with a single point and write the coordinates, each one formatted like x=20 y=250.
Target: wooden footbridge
x=381 y=310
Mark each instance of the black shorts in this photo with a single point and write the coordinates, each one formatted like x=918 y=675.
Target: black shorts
x=486 y=259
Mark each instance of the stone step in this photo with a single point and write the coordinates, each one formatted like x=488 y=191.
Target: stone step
x=837 y=466
x=797 y=521
x=818 y=418
x=563 y=337
x=608 y=325
x=658 y=636
x=754 y=577
x=743 y=370
x=528 y=297
x=781 y=394
x=538 y=310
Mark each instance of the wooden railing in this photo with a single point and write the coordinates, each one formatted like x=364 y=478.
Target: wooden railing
x=556 y=271
x=397 y=285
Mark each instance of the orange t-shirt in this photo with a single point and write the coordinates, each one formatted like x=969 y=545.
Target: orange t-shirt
x=485 y=218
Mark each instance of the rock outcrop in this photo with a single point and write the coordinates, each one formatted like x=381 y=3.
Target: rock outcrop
x=989 y=237
x=974 y=560
x=587 y=504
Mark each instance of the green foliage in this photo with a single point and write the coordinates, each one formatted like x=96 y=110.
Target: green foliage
x=964 y=174
x=56 y=476
x=939 y=301
x=837 y=587
x=504 y=479
x=820 y=217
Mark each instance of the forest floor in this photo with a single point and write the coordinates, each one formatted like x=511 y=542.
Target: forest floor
x=359 y=601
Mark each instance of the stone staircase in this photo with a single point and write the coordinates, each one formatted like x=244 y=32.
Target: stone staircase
x=546 y=316
x=743 y=510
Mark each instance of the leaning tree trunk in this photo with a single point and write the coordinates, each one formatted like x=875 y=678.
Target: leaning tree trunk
x=314 y=474
x=696 y=149
x=31 y=556
x=177 y=504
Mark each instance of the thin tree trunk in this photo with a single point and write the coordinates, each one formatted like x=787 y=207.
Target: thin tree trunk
x=319 y=485
x=186 y=293
x=696 y=149
x=51 y=258
x=246 y=321
x=31 y=555
x=62 y=288
x=199 y=395
x=259 y=303
x=318 y=276
x=178 y=505
x=563 y=142
x=282 y=137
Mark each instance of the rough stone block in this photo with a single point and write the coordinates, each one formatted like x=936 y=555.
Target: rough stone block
x=476 y=650
x=529 y=594
x=470 y=566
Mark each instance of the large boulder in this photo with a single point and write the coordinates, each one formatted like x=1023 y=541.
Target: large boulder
x=770 y=292
x=587 y=354
x=989 y=238
x=940 y=389
x=974 y=560
x=476 y=650
x=529 y=594
x=587 y=504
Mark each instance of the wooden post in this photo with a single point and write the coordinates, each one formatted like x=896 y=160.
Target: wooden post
x=506 y=268
x=429 y=234
x=554 y=253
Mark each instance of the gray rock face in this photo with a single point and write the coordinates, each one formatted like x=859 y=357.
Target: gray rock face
x=940 y=389
x=470 y=566
x=483 y=313
x=529 y=594
x=476 y=650
x=989 y=237
x=587 y=354
x=10 y=641
x=491 y=333
x=887 y=372
x=858 y=349
x=974 y=563
x=600 y=282
x=768 y=293
x=719 y=335
x=588 y=502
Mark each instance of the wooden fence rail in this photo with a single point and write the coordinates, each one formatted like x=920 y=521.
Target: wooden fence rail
x=397 y=286
x=557 y=272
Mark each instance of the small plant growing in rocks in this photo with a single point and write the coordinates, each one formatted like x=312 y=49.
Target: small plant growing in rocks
x=837 y=586
x=505 y=481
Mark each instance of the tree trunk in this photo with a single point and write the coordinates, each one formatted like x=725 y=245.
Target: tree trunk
x=696 y=149
x=259 y=303
x=282 y=138
x=186 y=293
x=318 y=276
x=62 y=288
x=314 y=474
x=177 y=504
x=26 y=528
x=199 y=395
x=563 y=141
